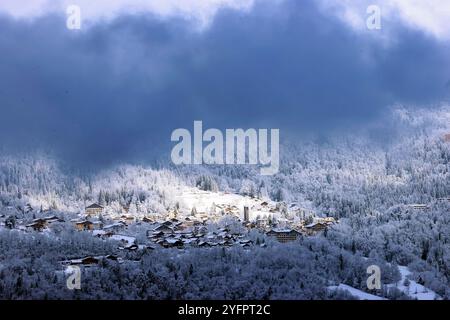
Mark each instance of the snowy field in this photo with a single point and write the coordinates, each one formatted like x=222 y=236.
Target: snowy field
x=207 y=201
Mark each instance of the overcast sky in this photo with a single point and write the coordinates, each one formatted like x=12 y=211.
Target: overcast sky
x=115 y=90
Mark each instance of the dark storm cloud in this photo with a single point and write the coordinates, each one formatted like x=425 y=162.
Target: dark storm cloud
x=115 y=91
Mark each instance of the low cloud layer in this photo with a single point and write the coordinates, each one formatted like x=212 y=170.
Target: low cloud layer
x=200 y=11
x=115 y=92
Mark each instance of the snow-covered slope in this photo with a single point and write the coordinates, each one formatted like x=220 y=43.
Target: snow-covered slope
x=412 y=288
x=359 y=294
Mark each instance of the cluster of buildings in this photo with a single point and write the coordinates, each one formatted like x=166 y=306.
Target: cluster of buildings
x=184 y=227
x=301 y=229
x=190 y=229
x=174 y=233
x=285 y=223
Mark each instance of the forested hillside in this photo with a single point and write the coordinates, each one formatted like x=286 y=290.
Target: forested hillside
x=368 y=185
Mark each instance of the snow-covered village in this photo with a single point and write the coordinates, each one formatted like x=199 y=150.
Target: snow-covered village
x=206 y=219
x=199 y=154
x=161 y=224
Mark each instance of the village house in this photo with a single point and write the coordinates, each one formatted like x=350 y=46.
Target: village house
x=172 y=242
x=93 y=209
x=190 y=241
x=97 y=224
x=148 y=219
x=84 y=225
x=130 y=247
x=200 y=230
x=42 y=223
x=204 y=244
x=164 y=228
x=91 y=260
x=262 y=223
x=284 y=235
x=154 y=234
x=188 y=222
x=125 y=241
x=37 y=225
x=127 y=219
x=417 y=206
x=102 y=233
x=178 y=226
x=315 y=227
x=51 y=219
x=245 y=242
x=115 y=227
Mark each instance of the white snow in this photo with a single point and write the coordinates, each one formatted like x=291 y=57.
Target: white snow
x=204 y=201
x=361 y=295
x=98 y=232
x=129 y=240
x=413 y=290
